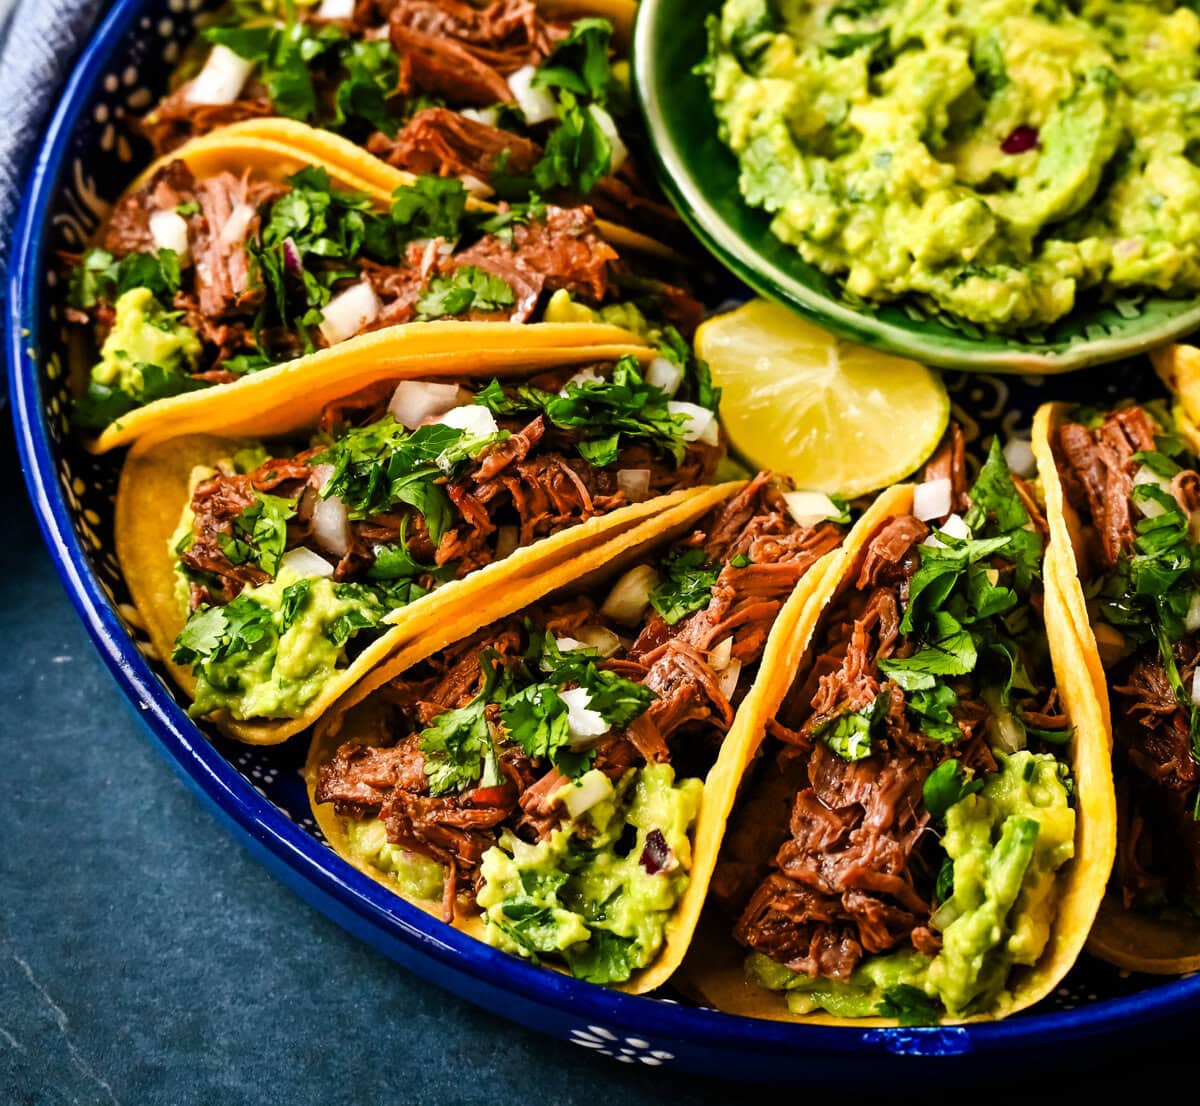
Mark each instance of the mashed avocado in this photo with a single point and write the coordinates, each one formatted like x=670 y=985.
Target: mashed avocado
x=417 y=876
x=598 y=891
x=148 y=353
x=269 y=652
x=1006 y=843
x=994 y=159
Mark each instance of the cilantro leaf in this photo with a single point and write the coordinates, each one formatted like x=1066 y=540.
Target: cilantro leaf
x=430 y=207
x=946 y=785
x=685 y=585
x=467 y=289
x=849 y=735
x=259 y=534
x=579 y=63
x=910 y=1006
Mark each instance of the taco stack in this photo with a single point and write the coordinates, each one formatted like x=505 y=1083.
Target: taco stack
x=927 y=825
x=1123 y=487
x=557 y=782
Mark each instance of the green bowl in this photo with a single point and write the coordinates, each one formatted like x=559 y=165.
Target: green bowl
x=700 y=175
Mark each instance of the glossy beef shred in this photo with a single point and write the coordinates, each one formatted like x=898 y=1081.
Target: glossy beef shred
x=532 y=485
x=684 y=723
x=1158 y=856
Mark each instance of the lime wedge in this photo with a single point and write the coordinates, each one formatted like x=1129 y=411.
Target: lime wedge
x=834 y=416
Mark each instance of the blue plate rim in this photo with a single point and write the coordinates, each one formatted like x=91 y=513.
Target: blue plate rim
x=301 y=858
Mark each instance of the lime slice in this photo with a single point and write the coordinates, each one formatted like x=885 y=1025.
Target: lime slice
x=834 y=416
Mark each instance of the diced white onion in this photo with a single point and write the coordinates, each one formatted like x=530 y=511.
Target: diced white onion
x=488 y=116
x=580 y=379
x=720 y=654
x=630 y=596
x=809 y=508
x=336 y=9
x=593 y=787
x=600 y=638
x=1019 y=455
x=169 y=231
x=221 y=80
x=956 y=527
x=476 y=187
x=348 y=312
x=415 y=402
x=569 y=644
x=235 y=226
x=507 y=539
x=536 y=104
x=322 y=473
x=473 y=419
x=1192 y=619
x=932 y=499
x=701 y=425
x=605 y=122
x=583 y=723
x=1005 y=730
x=664 y=374
x=1146 y=475
x=634 y=483
x=728 y=679
x=1196 y=687
x=302 y=561
x=331 y=525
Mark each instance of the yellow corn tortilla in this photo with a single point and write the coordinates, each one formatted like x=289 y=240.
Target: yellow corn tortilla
x=354 y=716
x=713 y=971
x=291 y=395
x=1132 y=940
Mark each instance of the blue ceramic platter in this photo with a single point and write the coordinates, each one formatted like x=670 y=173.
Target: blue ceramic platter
x=85 y=160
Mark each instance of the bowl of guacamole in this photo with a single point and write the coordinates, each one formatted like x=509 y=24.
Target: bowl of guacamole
x=1009 y=185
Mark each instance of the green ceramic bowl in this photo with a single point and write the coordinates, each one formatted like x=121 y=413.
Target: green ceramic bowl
x=701 y=177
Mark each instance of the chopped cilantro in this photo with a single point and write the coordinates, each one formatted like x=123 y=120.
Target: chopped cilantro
x=948 y=783
x=467 y=289
x=579 y=63
x=849 y=735
x=910 y=1006
x=686 y=583
x=259 y=534
x=99 y=276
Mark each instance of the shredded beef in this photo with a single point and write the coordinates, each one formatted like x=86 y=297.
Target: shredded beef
x=949 y=463
x=447 y=144
x=176 y=120
x=128 y=228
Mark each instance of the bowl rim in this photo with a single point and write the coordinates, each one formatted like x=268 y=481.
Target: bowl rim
x=345 y=894
x=737 y=254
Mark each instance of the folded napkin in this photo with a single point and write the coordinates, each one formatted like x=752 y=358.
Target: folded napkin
x=39 y=42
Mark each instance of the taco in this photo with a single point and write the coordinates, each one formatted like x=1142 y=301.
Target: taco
x=1123 y=488
x=511 y=97
x=539 y=781
x=232 y=258
x=927 y=826
x=272 y=575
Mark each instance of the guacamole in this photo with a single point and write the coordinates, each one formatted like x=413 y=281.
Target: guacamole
x=593 y=892
x=995 y=160
x=1007 y=844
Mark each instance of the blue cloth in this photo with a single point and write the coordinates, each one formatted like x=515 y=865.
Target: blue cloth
x=38 y=45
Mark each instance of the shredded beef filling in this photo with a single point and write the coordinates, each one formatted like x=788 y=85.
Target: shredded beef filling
x=853 y=877
x=1158 y=857
x=687 y=720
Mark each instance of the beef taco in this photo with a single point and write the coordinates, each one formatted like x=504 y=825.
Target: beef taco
x=511 y=97
x=557 y=781
x=1123 y=489
x=230 y=260
x=274 y=574
x=927 y=827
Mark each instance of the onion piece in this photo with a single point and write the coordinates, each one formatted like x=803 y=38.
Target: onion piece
x=665 y=375
x=349 y=312
x=605 y=122
x=720 y=654
x=1192 y=619
x=583 y=724
x=477 y=187
x=701 y=424
x=956 y=527
x=536 y=104
x=630 y=596
x=302 y=561
x=1002 y=725
x=728 y=679
x=170 y=232
x=235 y=226
x=569 y=644
x=634 y=484
x=335 y=9
x=932 y=499
x=809 y=508
x=415 y=402
x=600 y=638
x=331 y=526
x=580 y=380
x=1146 y=475
x=489 y=117
x=591 y=788
x=1018 y=454
x=472 y=418
x=221 y=80
x=507 y=540
x=292 y=261
x=1196 y=687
